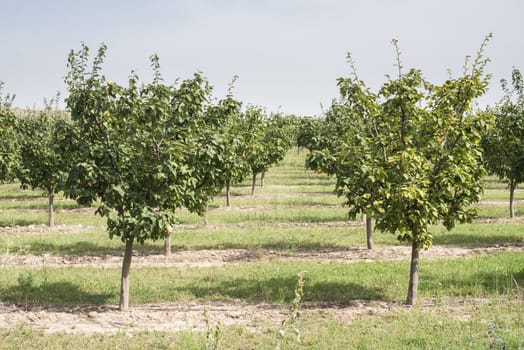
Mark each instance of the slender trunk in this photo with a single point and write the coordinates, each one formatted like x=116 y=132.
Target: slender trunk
x=205 y=215
x=253 y=183
x=413 y=275
x=369 y=232
x=228 y=193
x=52 y=207
x=167 y=241
x=512 y=187
x=167 y=244
x=124 y=286
x=262 y=178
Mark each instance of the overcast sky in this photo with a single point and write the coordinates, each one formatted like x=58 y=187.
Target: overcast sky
x=287 y=53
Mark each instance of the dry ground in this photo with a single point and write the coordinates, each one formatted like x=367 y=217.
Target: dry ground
x=189 y=315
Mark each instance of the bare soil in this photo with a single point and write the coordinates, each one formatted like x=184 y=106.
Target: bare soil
x=217 y=257
x=184 y=316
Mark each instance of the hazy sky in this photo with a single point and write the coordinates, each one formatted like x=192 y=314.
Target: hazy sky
x=287 y=53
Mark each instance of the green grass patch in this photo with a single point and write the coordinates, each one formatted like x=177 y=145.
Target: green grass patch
x=38 y=204
x=478 y=276
x=297 y=199
x=269 y=214
x=498 y=211
x=41 y=217
x=502 y=195
x=290 y=237
x=480 y=235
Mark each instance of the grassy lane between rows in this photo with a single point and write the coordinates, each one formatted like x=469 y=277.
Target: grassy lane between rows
x=262 y=213
x=291 y=237
x=483 y=276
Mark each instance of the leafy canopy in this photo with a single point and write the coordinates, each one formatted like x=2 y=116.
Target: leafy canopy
x=411 y=155
x=43 y=163
x=135 y=146
x=8 y=138
x=504 y=143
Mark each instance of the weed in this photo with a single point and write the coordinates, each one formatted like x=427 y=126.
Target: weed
x=25 y=281
x=496 y=342
x=291 y=321
x=213 y=334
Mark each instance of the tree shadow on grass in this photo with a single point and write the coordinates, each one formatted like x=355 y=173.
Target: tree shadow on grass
x=282 y=290
x=21 y=222
x=87 y=248
x=284 y=246
x=25 y=197
x=52 y=293
x=44 y=206
x=503 y=281
x=473 y=241
x=276 y=218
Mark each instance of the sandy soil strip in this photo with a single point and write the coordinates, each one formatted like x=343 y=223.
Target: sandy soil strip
x=184 y=316
x=208 y=258
x=170 y=316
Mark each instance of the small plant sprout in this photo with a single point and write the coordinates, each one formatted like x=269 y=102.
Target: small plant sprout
x=291 y=321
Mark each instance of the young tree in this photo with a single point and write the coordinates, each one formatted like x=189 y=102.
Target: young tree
x=8 y=138
x=205 y=161
x=132 y=145
x=504 y=143
x=352 y=115
x=417 y=160
x=254 y=126
x=277 y=138
x=308 y=133
x=232 y=137
x=43 y=164
x=266 y=141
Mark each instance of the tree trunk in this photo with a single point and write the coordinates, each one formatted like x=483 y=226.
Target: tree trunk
x=369 y=232
x=167 y=244
x=512 y=186
x=228 y=193
x=205 y=216
x=124 y=286
x=413 y=275
x=262 y=178
x=253 y=183
x=52 y=207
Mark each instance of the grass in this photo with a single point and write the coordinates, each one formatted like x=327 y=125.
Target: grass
x=92 y=240
x=255 y=282
x=290 y=237
x=40 y=217
x=478 y=235
x=271 y=214
x=502 y=195
x=295 y=210
x=499 y=211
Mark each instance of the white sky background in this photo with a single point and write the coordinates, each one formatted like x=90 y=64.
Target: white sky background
x=287 y=53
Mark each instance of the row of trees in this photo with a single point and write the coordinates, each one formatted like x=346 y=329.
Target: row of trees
x=413 y=154
x=407 y=156
x=504 y=144
x=139 y=151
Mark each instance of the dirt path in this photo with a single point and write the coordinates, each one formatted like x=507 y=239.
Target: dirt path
x=208 y=258
x=171 y=316
x=183 y=316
